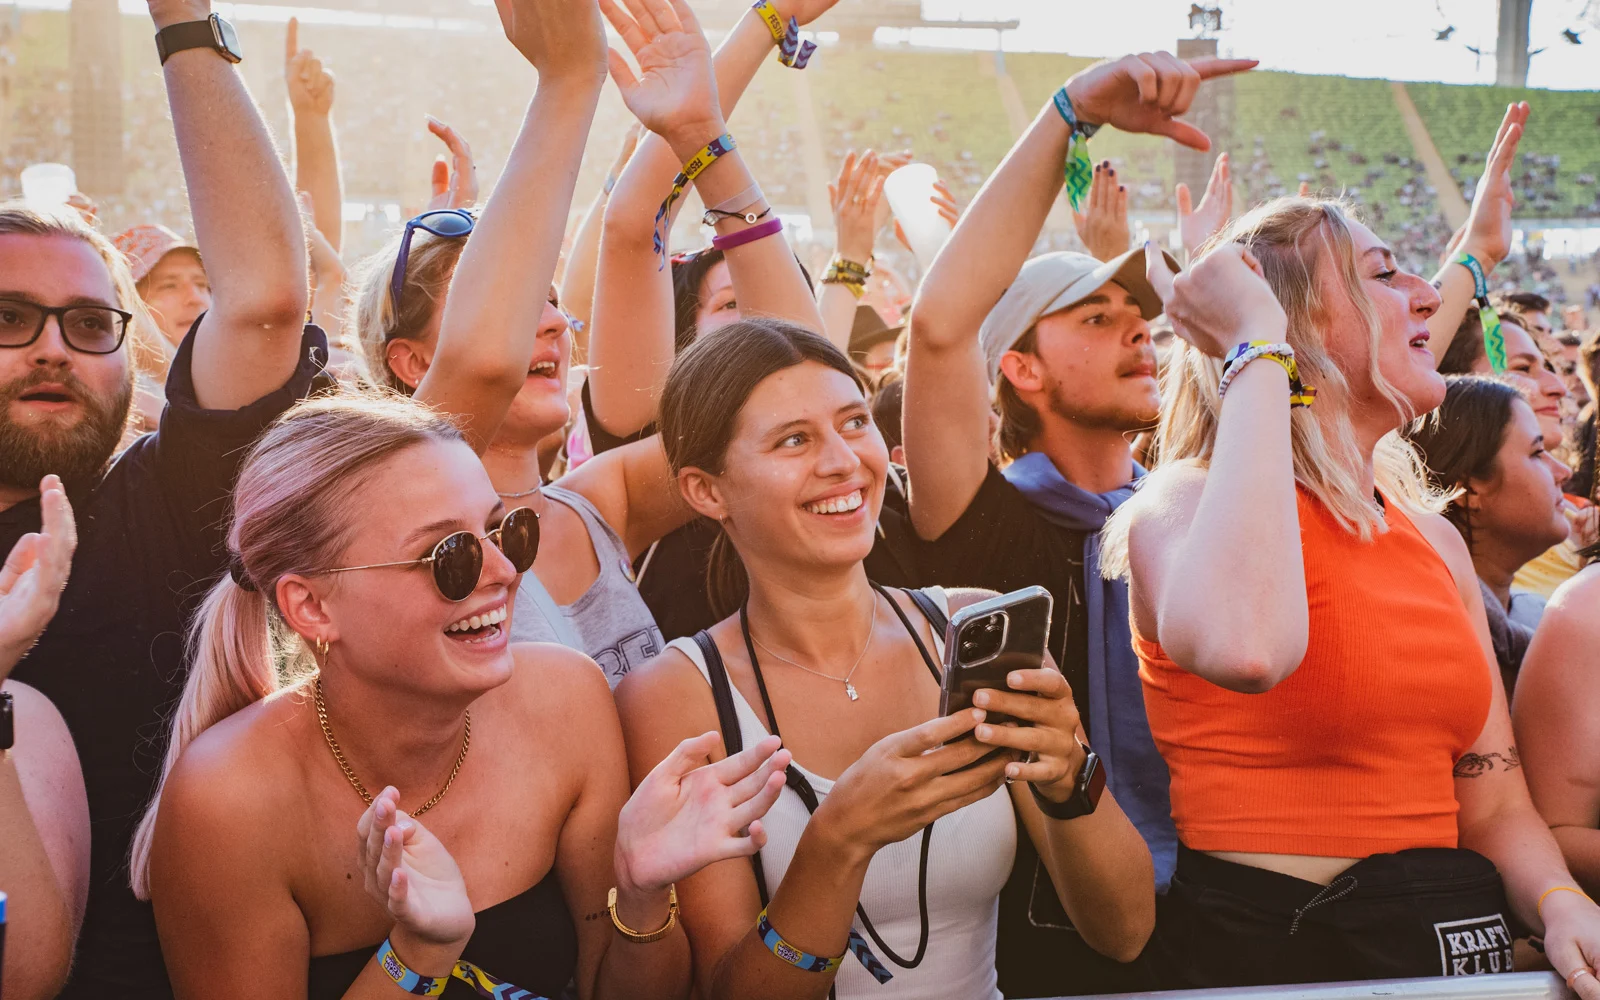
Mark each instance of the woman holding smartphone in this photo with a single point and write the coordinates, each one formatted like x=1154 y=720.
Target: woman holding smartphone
x=786 y=459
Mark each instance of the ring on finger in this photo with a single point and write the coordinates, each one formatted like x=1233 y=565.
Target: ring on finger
x=1572 y=979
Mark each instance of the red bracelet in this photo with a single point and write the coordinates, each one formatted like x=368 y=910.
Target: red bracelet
x=750 y=235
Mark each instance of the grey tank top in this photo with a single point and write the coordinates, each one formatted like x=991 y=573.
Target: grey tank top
x=609 y=622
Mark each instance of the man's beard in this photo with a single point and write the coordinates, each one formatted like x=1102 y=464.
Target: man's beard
x=1112 y=415
x=78 y=452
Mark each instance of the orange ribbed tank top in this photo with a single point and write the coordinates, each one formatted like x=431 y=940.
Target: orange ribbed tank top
x=1351 y=755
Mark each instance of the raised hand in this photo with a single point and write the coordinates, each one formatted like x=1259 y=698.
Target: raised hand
x=412 y=876
x=454 y=181
x=1304 y=190
x=687 y=813
x=1147 y=93
x=1103 y=224
x=34 y=575
x=857 y=198
x=1044 y=698
x=674 y=93
x=1488 y=228
x=909 y=779
x=309 y=83
x=1222 y=301
x=561 y=38
x=325 y=262
x=1196 y=225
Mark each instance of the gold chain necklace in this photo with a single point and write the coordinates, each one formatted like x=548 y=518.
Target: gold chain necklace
x=350 y=774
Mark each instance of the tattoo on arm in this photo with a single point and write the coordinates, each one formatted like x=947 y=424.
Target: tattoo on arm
x=1473 y=764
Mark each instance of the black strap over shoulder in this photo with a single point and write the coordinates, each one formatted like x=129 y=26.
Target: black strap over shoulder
x=930 y=610
x=728 y=722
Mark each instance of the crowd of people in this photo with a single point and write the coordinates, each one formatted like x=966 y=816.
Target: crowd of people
x=525 y=612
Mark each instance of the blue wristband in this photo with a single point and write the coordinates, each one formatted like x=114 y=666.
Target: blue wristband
x=786 y=952
x=1079 y=171
x=411 y=982
x=1480 y=280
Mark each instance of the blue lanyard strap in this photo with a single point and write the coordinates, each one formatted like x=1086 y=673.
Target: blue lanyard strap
x=1494 y=341
x=1079 y=170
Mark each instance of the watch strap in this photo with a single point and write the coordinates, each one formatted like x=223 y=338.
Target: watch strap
x=1085 y=795
x=176 y=38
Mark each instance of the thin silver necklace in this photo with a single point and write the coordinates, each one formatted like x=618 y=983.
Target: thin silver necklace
x=849 y=688
x=519 y=496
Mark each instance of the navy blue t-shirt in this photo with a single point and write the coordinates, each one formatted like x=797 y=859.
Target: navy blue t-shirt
x=150 y=544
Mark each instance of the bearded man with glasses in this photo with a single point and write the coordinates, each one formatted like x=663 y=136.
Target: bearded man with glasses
x=149 y=518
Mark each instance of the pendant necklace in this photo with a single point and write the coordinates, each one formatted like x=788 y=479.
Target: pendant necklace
x=849 y=688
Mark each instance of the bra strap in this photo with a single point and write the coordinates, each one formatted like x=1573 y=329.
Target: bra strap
x=918 y=598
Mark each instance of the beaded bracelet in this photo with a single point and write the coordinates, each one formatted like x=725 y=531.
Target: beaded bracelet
x=792 y=52
x=1300 y=394
x=1079 y=171
x=1494 y=342
x=708 y=154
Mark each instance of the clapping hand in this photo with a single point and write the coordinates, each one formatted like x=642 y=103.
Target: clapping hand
x=687 y=813
x=34 y=575
x=1103 y=224
x=857 y=197
x=1488 y=228
x=309 y=83
x=674 y=93
x=454 y=182
x=411 y=875
x=1196 y=225
x=1222 y=301
x=1147 y=93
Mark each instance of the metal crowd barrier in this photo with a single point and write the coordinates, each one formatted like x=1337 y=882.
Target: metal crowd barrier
x=1517 y=986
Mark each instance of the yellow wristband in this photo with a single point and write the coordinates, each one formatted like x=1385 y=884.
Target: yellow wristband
x=1539 y=909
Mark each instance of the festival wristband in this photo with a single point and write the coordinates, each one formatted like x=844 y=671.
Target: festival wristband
x=1300 y=394
x=1494 y=341
x=697 y=164
x=1539 y=909
x=411 y=982
x=792 y=52
x=1079 y=171
x=743 y=236
x=786 y=952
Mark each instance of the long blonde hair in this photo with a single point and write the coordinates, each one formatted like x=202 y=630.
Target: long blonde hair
x=430 y=265
x=291 y=513
x=148 y=350
x=1292 y=237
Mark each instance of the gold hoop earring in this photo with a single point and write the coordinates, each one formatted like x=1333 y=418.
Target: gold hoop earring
x=321 y=646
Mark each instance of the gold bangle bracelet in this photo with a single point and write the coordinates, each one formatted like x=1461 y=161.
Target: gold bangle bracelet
x=647 y=938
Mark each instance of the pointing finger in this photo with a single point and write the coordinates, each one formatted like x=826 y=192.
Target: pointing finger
x=1210 y=69
x=291 y=39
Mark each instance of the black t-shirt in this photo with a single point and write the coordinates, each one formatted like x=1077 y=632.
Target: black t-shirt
x=1001 y=542
x=672 y=573
x=150 y=544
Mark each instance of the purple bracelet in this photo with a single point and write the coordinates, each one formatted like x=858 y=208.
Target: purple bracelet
x=750 y=235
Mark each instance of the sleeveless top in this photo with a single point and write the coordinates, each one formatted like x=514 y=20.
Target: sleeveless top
x=1351 y=755
x=528 y=940
x=609 y=622
x=969 y=859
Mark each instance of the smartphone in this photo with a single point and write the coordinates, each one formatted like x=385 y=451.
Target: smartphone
x=986 y=641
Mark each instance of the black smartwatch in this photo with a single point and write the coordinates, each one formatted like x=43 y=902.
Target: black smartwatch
x=8 y=733
x=212 y=33
x=1085 y=797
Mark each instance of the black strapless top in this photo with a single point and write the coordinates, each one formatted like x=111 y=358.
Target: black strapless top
x=528 y=940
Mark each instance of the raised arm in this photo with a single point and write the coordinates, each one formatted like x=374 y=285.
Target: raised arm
x=856 y=196
x=316 y=154
x=583 y=257
x=1224 y=594
x=631 y=342
x=1486 y=235
x=947 y=388
x=246 y=223
x=1103 y=223
x=491 y=317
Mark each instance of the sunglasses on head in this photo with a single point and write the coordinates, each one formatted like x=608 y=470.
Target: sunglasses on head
x=457 y=560
x=448 y=223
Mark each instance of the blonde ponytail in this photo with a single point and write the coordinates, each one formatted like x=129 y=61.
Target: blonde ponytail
x=293 y=509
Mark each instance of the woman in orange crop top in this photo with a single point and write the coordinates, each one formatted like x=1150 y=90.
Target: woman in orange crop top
x=1312 y=640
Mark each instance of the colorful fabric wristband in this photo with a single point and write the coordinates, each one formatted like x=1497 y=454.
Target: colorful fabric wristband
x=482 y=983
x=1080 y=172
x=1494 y=342
x=846 y=272
x=786 y=952
x=1300 y=394
x=750 y=235
x=792 y=52
x=708 y=154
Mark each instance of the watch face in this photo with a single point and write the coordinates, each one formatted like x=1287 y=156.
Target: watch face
x=227 y=38
x=1097 y=781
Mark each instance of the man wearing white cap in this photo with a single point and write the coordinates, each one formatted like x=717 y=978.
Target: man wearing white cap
x=170 y=277
x=1060 y=346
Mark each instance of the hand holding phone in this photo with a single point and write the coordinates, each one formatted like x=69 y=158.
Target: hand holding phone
x=986 y=642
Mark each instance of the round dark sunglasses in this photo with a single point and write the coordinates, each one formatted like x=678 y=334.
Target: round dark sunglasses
x=449 y=223
x=457 y=560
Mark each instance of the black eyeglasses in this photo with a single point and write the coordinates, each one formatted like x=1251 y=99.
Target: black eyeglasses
x=86 y=329
x=449 y=223
x=457 y=560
